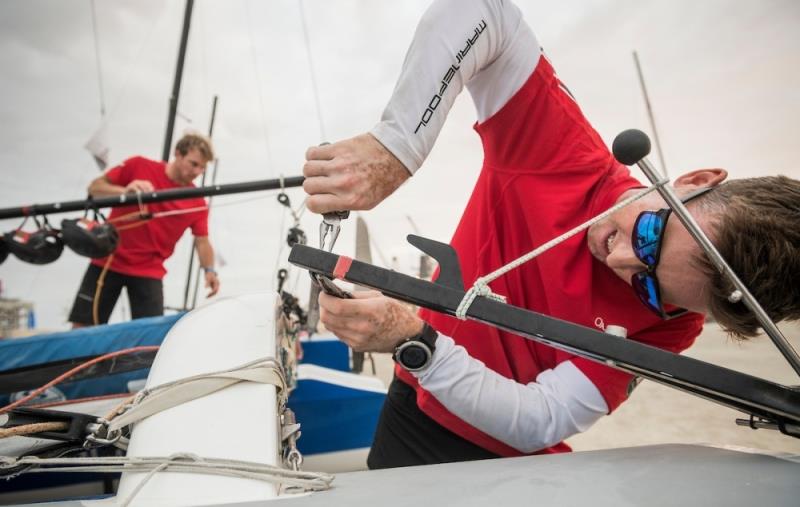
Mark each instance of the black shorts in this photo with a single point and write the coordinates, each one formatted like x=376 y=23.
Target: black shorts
x=146 y=296
x=406 y=436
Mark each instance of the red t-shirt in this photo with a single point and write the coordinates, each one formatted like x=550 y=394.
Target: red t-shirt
x=143 y=249
x=545 y=171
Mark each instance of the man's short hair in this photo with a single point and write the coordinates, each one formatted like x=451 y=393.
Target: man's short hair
x=757 y=231
x=196 y=141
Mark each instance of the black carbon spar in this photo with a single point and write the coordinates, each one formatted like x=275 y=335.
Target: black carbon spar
x=148 y=197
x=769 y=404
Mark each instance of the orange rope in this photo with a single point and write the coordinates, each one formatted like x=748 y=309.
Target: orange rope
x=127 y=216
x=144 y=218
x=98 y=289
x=132 y=225
x=28 y=429
x=73 y=371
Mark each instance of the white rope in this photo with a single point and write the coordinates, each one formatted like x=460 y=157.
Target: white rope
x=181 y=463
x=481 y=285
x=143 y=482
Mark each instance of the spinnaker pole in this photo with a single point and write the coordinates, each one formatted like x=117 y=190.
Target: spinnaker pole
x=172 y=194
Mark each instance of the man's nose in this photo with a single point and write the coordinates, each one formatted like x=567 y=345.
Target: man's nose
x=624 y=262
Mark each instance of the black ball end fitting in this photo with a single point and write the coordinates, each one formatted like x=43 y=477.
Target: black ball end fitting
x=631 y=146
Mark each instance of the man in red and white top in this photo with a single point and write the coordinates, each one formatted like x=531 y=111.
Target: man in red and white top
x=148 y=234
x=485 y=392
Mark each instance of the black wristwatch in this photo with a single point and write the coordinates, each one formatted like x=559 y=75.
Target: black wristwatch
x=416 y=353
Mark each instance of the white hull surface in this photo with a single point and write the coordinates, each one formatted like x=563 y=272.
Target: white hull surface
x=238 y=422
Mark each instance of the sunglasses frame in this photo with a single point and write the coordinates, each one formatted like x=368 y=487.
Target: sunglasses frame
x=643 y=280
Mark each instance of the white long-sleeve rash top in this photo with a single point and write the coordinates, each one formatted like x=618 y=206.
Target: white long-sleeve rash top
x=486 y=46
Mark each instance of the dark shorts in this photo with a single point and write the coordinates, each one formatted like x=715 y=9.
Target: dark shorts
x=146 y=296
x=406 y=436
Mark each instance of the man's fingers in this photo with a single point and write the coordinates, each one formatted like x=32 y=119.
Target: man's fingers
x=354 y=309
x=320 y=185
x=314 y=168
x=323 y=152
x=366 y=294
x=325 y=203
x=336 y=306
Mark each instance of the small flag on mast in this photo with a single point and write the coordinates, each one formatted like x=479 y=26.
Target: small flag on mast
x=97 y=145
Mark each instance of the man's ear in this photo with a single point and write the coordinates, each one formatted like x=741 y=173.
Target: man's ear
x=701 y=178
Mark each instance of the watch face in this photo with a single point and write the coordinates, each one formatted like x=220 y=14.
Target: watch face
x=413 y=356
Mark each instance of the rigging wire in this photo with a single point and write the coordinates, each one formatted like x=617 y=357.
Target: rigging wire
x=157 y=21
x=309 y=56
x=650 y=114
x=203 y=53
x=262 y=109
x=97 y=61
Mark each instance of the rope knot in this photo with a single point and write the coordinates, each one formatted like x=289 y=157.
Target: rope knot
x=479 y=288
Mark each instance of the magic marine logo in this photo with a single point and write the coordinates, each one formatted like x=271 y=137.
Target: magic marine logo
x=448 y=75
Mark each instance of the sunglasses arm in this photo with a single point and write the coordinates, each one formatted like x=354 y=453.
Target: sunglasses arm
x=631 y=147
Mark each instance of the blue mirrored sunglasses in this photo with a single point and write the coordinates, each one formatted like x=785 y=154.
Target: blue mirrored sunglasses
x=646 y=238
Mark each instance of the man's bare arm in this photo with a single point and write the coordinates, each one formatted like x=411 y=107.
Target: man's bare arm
x=206 y=254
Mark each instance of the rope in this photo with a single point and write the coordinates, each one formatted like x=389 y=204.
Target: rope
x=98 y=288
x=27 y=429
x=73 y=371
x=481 y=285
x=160 y=214
x=162 y=397
x=180 y=463
x=299 y=211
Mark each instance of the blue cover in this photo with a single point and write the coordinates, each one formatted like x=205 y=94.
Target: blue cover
x=83 y=342
x=86 y=341
x=328 y=352
x=334 y=418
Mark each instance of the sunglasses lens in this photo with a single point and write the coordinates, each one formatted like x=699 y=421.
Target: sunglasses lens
x=647 y=236
x=646 y=288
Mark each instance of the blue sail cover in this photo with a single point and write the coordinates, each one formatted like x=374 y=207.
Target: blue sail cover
x=85 y=342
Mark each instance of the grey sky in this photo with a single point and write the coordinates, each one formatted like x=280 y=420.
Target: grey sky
x=723 y=79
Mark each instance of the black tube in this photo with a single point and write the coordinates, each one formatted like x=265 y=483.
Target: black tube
x=148 y=197
x=736 y=390
x=176 y=85
x=191 y=269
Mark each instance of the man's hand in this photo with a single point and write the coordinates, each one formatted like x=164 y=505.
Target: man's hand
x=370 y=322
x=212 y=283
x=139 y=186
x=355 y=174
